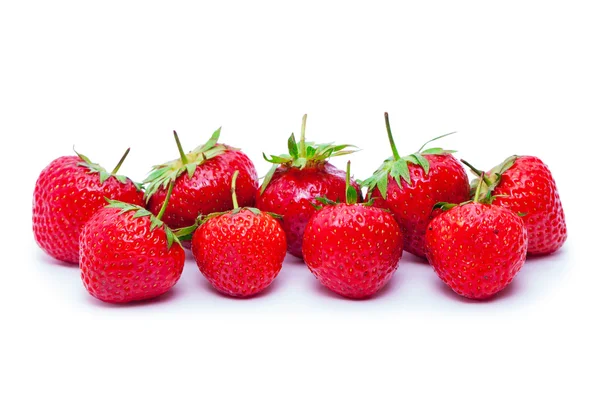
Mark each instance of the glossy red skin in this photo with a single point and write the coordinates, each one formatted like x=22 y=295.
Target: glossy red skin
x=477 y=249
x=240 y=254
x=352 y=249
x=531 y=190
x=412 y=204
x=292 y=192
x=209 y=189
x=66 y=195
x=123 y=260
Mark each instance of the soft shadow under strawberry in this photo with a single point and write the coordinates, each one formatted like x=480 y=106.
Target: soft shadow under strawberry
x=406 y=256
x=295 y=261
x=166 y=297
x=537 y=258
x=46 y=259
x=386 y=291
x=512 y=290
x=205 y=285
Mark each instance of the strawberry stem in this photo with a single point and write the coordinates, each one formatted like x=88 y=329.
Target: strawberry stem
x=116 y=169
x=351 y=195
x=184 y=159
x=164 y=206
x=390 y=137
x=477 y=172
x=478 y=190
x=302 y=147
x=233 y=195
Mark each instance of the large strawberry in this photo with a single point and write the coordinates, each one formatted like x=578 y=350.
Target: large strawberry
x=202 y=179
x=476 y=248
x=352 y=248
x=128 y=254
x=410 y=186
x=240 y=251
x=297 y=179
x=67 y=193
x=525 y=185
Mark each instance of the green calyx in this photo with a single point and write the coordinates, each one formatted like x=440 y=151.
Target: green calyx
x=351 y=194
x=186 y=233
x=161 y=175
x=489 y=181
x=155 y=221
x=102 y=173
x=303 y=154
x=480 y=195
x=397 y=167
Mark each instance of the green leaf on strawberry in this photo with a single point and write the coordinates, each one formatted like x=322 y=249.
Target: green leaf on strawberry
x=397 y=166
x=303 y=154
x=101 y=171
x=140 y=212
x=161 y=175
x=491 y=179
x=187 y=232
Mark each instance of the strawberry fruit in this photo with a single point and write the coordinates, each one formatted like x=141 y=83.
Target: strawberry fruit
x=525 y=185
x=297 y=179
x=352 y=248
x=67 y=193
x=128 y=254
x=201 y=179
x=476 y=248
x=240 y=251
x=410 y=186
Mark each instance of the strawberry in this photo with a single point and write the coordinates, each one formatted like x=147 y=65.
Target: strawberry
x=352 y=248
x=128 y=254
x=525 y=185
x=67 y=193
x=201 y=179
x=476 y=248
x=240 y=251
x=410 y=186
x=296 y=180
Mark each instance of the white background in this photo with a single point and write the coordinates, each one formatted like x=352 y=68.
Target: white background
x=511 y=77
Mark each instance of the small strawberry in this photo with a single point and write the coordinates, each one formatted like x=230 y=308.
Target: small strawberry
x=128 y=254
x=352 y=248
x=240 y=251
x=296 y=180
x=410 y=186
x=201 y=179
x=525 y=185
x=476 y=248
x=67 y=193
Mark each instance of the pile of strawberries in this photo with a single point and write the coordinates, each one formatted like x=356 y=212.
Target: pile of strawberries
x=128 y=238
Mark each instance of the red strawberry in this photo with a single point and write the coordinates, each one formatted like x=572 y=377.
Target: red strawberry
x=410 y=186
x=296 y=180
x=241 y=251
x=127 y=254
x=476 y=249
x=352 y=248
x=525 y=185
x=202 y=179
x=67 y=193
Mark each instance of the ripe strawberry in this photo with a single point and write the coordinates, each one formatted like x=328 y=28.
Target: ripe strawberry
x=201 y=179
x=476 y=248
x=410 y=186
x=296 y=180
x=67 y=193
x=525 y=185
x=128 y=254
x=352 y=248
x=240 y=251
